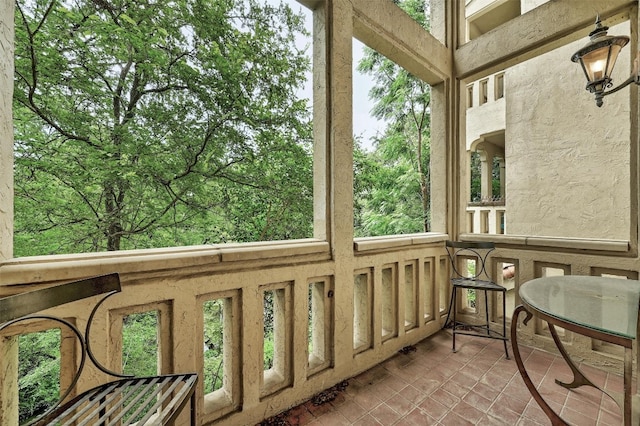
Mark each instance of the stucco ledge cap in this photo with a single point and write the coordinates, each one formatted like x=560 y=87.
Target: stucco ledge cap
x=556 y=242
x=580 y=243
x=501 y=238
x=393 y=241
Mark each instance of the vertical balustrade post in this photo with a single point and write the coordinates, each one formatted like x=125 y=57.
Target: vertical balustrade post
x=9 y=382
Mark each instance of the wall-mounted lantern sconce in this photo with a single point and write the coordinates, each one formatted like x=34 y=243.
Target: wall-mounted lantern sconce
x=598 y=58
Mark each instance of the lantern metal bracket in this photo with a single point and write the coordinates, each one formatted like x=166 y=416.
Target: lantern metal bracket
x=634 y=78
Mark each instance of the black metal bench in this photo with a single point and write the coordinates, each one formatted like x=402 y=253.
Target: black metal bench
x=127 y=400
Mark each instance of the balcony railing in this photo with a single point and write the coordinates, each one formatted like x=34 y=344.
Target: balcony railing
x=487 y=216
x=331 y=319
x=323 y=332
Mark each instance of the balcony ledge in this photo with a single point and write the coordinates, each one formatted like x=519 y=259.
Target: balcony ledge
x=367 y=244
x=73 y=266
x=570 y=243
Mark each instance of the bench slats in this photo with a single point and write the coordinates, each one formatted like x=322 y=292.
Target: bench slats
x=124 y=401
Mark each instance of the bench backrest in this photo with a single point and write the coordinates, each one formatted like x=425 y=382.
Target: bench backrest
x=31 y=302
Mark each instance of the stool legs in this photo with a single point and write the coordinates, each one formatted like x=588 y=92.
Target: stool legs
x=486 y=309
x=453 y=325
x=452 y=312
x=504 y=322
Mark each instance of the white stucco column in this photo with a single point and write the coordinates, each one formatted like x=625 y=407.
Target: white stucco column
x=339 y=164
x=9 y=382
x=444 y=180
x=486 y=163
x=6 y=129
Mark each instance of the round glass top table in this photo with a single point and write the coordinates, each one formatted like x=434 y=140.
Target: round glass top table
x=603 y=308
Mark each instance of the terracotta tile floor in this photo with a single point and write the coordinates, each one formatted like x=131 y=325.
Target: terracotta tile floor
x=475 y=386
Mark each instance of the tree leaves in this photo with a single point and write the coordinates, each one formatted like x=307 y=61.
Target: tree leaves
x=392 y=191
x=144 y=117
x=39 y=372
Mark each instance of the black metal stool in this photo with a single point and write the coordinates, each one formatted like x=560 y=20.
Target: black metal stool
x=477 y=279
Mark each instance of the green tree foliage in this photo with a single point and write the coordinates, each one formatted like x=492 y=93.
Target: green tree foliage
x=476 y=176
x=213 y=344
x=140 y=349
x=148 y=124
x=38 y=372
x=390 y=204
x=392 y=184
x=268 y=309
x=476 y=181
x=140 y=344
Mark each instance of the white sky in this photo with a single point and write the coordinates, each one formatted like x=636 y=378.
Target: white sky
x=364 y=124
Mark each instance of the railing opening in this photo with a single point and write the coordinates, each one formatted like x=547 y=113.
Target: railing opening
x=140 y=355
x=214 y=338
x=410 y=296
x=39 y=372
x=427 y=295
x=140 y=344
x=389 y=297
x=362 y=319
x=277 y=313
x=319 y=325
x=444 y=290
x=221 y=344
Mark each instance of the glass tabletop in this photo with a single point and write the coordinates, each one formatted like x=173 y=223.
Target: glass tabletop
x=605 y=304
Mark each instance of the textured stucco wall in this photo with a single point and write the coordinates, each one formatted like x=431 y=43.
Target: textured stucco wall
x=6 y=129
x=478 y=123
x=567 y=160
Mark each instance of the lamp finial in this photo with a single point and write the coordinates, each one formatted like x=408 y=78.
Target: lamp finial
x=599 y=28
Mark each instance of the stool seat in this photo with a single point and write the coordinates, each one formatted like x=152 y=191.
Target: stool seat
x=477 y=284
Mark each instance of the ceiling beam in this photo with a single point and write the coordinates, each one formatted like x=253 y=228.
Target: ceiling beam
x=385 y=27
x=538 y=31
